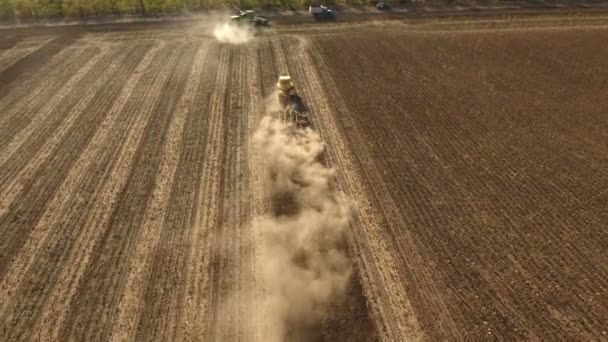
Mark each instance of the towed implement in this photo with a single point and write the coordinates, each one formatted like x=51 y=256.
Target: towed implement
x=293 y=110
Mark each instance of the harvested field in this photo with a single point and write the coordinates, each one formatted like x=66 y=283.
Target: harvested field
x=474 y=152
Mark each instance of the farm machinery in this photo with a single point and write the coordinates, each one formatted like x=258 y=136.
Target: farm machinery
x=322 y=13
x=293 y=110
x=248 y=17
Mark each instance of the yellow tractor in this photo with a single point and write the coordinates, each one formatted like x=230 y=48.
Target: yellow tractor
x=293 y=110
x=285 y=89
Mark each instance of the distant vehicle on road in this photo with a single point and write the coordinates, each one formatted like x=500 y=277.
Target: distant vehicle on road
x=322 y=13
x=383 y=6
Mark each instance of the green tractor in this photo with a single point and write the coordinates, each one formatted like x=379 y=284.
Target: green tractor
x=248 y=17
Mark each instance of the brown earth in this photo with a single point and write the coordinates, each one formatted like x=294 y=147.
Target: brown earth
x=474 y=151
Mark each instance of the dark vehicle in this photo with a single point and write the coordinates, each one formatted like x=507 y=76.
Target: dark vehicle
x=322 y=13
x=383 y=6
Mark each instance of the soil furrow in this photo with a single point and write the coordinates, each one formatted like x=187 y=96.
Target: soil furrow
x=116 y=245
x=40 y=279
x=22 y=121
x=200 y=294
x=26 y=209
x=44 y=137
x=227 y=306
x=64 y=199
x=163 y=297
x=478 y=183
x=90 y=176
x=256 y=196
x=27 y=66
x=136 y=113
x=21 y=94
x=19 y=51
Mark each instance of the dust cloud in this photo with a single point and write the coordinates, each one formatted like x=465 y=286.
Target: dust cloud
x=232 y=33
x=303 y=263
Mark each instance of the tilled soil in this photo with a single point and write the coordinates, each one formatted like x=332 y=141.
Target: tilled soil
x=476 y=159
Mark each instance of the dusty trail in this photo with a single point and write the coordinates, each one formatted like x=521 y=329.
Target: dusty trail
x=392 y=324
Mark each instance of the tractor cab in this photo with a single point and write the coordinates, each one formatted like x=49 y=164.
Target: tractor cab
x=285 y=89
x=284 y=84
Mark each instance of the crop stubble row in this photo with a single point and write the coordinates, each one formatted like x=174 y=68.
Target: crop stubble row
x=85 y=245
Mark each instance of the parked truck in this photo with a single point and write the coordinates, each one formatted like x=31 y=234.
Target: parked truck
x=322 y=13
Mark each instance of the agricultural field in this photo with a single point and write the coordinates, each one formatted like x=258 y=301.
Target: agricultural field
x=473 y=152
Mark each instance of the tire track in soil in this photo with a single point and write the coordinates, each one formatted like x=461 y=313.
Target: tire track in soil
x=256 y=196
x=20 y=50
x=7 y=43
x=25 y=210
x=534 y=193
x=56 y=66
x=167 y=254
x=52 y=240
x=414 y=267
x=64 y=243
x=231 y=294
x=53 y=212
x=391 y=310
x=132 y=301
x=134 y=108
x=21 y=165
x=198 y=302
x=457 y=144
x=30 y=64
x=18 y=130
x=93 y=308
x=20 y=110
x=445 y=156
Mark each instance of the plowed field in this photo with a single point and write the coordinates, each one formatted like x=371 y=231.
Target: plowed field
x=475 y=152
